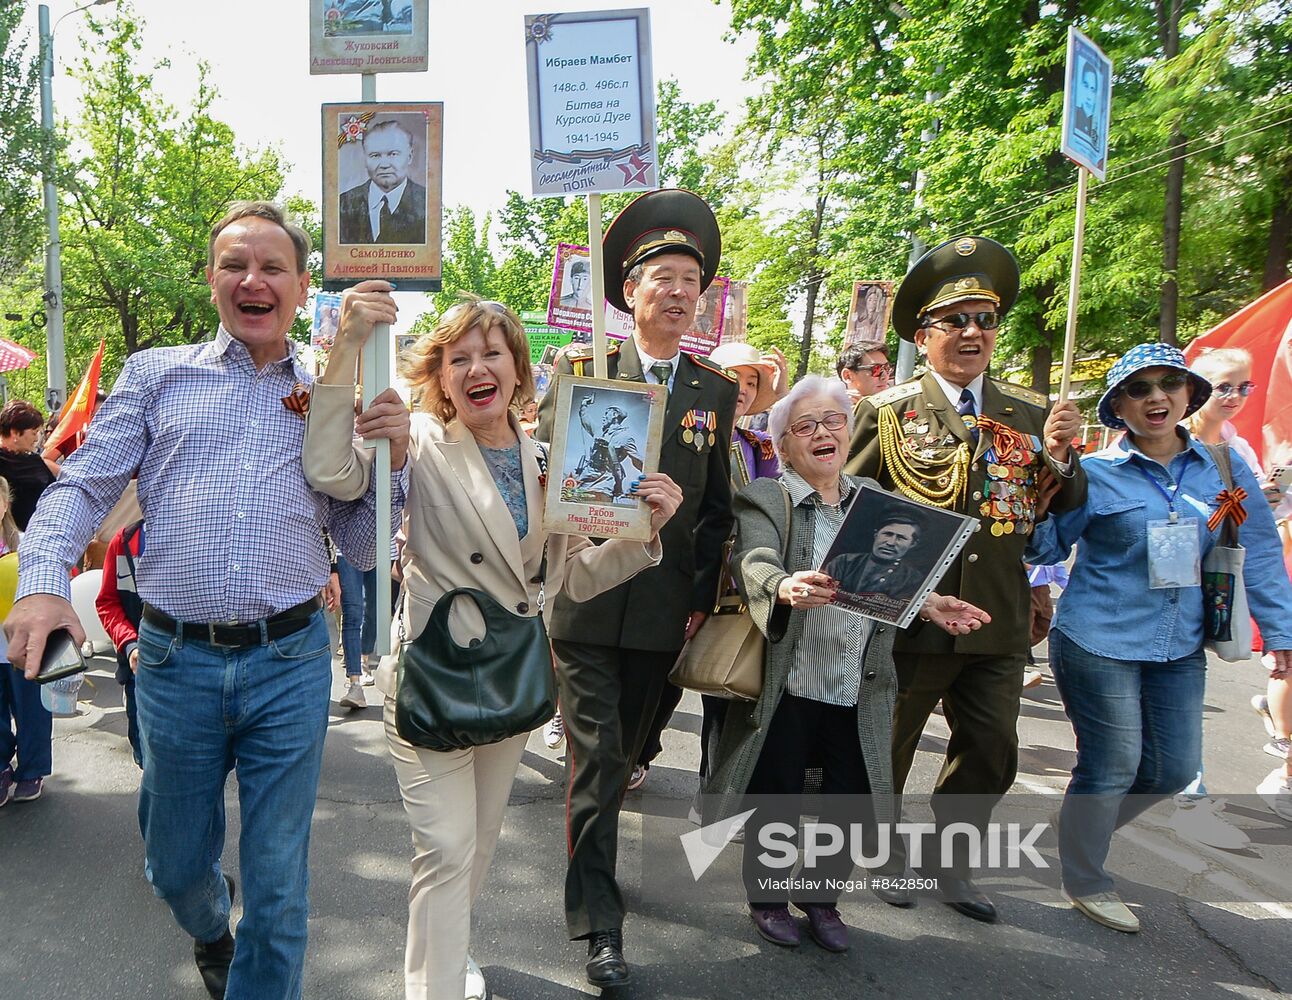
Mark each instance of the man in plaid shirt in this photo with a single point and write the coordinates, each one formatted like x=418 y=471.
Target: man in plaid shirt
x=234 y=659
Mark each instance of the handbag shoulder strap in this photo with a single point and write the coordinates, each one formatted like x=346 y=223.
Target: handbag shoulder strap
x=1223 y=457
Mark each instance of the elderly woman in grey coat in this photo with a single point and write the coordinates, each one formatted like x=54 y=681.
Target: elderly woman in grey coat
x=829 y=682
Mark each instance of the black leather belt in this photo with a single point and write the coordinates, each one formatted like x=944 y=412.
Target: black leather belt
x=237 y=636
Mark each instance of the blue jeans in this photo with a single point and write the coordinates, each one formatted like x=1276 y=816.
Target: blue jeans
x=1139 y=740
x=26 y=726
x=353 y=619
x=370 y=608
x=204 y=710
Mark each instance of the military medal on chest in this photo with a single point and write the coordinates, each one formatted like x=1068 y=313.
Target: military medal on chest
x=1009 y=493
x=698 y=428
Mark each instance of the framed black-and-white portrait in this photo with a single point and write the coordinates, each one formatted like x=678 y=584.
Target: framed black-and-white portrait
x=606 y=433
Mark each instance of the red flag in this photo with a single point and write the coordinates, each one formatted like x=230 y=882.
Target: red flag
x=78 y=411
x=1264 y=329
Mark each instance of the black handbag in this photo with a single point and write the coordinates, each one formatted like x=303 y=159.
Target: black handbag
x=450 y=697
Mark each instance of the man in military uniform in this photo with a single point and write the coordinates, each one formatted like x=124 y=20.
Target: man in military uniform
x=961 y=440
x=603 y=465
x=615 y=651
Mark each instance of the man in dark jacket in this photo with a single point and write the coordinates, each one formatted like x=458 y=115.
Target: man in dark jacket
x=615 y=651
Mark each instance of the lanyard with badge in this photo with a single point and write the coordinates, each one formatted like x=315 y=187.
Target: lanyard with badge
x=1174 y=556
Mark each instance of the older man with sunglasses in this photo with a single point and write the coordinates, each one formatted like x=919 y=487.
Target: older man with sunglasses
x=964 y=441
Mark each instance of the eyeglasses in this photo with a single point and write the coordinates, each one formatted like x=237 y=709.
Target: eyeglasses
x=876 y=371
x=1225 y=389
x=961 y=321
x=1141 y=387
x=807 y=426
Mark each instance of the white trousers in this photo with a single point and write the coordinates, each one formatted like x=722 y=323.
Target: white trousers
x=455 y=802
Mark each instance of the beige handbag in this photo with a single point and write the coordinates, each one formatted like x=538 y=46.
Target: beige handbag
x=725 y=658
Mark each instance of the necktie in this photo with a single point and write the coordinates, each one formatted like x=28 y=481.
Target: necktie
x=966 y=409
x=383 y=222
x=662 y=371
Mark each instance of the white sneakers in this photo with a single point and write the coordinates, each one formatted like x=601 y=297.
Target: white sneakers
x=1196 y=819
x=1280 y=747
x=476 y=988
x=1276 y=791
x=554 y=732
x=354 y=696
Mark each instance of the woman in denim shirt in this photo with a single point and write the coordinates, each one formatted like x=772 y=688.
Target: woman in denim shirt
x=1128 y=660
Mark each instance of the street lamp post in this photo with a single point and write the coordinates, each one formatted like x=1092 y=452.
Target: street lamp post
x=56 y=360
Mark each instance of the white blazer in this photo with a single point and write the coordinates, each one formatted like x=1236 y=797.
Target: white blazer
x=457 y=530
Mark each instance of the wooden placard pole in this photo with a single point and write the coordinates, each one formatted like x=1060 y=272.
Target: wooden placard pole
x=376 y=380
x=599 y=364
x=1074 y=286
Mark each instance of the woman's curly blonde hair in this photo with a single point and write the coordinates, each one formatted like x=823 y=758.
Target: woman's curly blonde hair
x=422 y=363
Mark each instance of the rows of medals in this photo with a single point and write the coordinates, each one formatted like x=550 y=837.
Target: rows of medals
x=1009 y=492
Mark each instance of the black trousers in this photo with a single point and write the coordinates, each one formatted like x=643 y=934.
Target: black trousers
x=980 y=698
x=715 y=711
x=801 y=730
x=608 y=700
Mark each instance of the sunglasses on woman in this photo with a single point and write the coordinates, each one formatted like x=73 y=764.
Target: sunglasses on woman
x=961 y=321
x=1225 y=389
x=807 y=426
x=1141 y=387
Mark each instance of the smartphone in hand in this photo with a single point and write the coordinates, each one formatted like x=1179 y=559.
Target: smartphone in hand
x=62 y=657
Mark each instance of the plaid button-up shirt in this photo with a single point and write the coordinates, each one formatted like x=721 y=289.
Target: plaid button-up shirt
x=234 y=530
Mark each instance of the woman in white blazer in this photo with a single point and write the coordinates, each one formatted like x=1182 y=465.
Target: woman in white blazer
x=473 y=518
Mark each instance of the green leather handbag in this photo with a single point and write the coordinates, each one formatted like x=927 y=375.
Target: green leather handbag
x=450 y=697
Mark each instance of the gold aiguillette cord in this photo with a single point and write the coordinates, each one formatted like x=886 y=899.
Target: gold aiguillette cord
x=943 y=488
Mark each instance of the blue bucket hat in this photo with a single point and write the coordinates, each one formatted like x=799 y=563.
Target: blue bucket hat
x=1135 y=360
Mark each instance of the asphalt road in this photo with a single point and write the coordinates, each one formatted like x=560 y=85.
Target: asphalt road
x=77 y=918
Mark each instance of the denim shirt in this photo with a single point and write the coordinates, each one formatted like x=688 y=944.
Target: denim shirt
x=1108 y=607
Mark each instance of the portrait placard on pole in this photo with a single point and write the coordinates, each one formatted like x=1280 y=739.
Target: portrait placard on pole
x=1087 y=104
x=591 y=102
x=381 y=194
x=872 y=303
x=368 y=36
x=591 y=120
x=735 y=314
x=1087 y=109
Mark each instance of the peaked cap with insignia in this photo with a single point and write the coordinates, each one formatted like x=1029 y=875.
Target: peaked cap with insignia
x=962 y=268
x=659 y=222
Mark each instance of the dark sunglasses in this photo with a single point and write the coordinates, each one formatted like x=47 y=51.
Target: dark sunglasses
x=1141 y=387
x=832 y=421
x=876 y=371
x=960 y=321
x=1225 y=389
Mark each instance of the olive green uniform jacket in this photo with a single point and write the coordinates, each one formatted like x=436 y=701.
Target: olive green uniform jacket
x=989 y=572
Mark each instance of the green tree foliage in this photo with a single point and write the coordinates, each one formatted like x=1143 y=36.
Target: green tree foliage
x=926 y=119
x=20 y=154
x=141 y=199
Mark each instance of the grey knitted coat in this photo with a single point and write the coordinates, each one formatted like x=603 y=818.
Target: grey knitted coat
x=759 y=570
